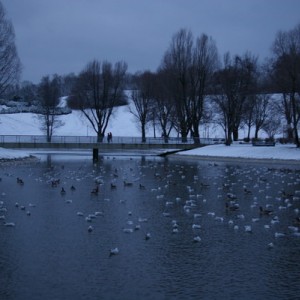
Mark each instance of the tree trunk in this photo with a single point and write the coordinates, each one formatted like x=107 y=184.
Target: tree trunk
x=256 y=133
x=290 y=132
x=235 y=133
x=295 y=122
x=228 y=141
x=196 y=136
x=100 y=137
x=143 y=133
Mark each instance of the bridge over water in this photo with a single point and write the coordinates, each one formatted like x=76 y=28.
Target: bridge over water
x=90 y=142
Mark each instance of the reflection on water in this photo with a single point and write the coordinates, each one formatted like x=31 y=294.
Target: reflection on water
x=60 y=245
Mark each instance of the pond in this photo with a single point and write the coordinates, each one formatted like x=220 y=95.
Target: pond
x=144 y=227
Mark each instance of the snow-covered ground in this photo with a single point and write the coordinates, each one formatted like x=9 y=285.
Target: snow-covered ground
x=282 y=152
x=123 y=124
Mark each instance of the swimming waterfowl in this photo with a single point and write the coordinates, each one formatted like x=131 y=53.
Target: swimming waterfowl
x=297 y=221
x=246 y=191
x=55 y=182
x=233 y=207
x=197 y=239
x=248 y=228
x=264 y=211
x=114 y=251
x=95 y=191
x=142 y=187
x=196 y=226
x=9 y=224
x=20 y=181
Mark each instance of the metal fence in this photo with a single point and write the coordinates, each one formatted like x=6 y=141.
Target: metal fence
x=32 y=139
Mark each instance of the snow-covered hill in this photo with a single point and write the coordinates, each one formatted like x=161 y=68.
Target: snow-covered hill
x=75 y=124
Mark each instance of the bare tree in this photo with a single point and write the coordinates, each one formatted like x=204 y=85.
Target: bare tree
x=98 y=90
x=189 y=68
x=204 y=62
x=286 y=67
x=272 y=123
x=164 y=108
x=49 y=99
x=10 y=65
x=176 y=63
x=142 y=97
x=234 y=83
x=260 y=112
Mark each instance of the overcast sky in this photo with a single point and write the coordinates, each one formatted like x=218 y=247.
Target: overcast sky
x=62 y=36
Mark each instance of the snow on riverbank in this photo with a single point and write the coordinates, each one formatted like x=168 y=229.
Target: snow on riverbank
x=281 y=152
x=13 y=154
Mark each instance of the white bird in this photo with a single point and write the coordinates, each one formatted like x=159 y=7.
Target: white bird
x=196 y=226
x=114 y=251
x=248 y=228
x=197 y=239
x=279 y=234
x=9 y=224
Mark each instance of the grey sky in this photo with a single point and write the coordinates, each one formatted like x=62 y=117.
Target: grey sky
x=62 y=36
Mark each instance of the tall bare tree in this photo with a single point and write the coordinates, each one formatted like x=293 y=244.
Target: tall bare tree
x=176 y=63
x=261 y=112
x=143 y=99
x=49 y=93
x=286 y=66
x=234 y=83
x=204 y=62
x=99 y=89
x=10 y=65
x=164 y=108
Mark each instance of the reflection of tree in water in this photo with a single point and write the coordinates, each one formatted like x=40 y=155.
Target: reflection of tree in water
x=49 y=161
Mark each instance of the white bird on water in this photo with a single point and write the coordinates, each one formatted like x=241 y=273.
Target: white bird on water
x=114 y=251
x=197 y=239
x=9 y=224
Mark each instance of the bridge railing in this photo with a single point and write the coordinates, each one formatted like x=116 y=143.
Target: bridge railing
x=32 y=139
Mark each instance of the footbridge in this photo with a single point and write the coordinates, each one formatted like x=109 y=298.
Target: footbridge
x=90 y=142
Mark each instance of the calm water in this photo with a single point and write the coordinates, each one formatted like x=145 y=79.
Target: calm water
x=50 y=254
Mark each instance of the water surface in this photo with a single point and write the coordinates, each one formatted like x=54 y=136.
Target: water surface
x=50 y=253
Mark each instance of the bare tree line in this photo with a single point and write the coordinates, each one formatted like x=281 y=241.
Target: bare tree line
x=191 y=87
